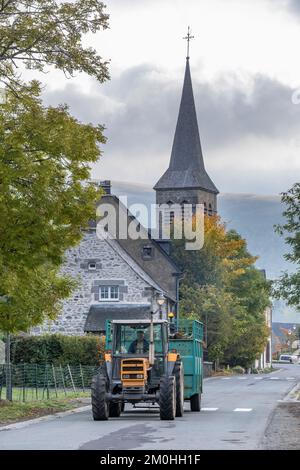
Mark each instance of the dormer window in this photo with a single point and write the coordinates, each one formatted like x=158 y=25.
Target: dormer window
x=147 y=252
x=92 y=266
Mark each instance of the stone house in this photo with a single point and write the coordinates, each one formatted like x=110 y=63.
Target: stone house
x=117 y=278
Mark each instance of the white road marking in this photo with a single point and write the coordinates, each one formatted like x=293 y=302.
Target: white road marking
x=258 y=378
x=209 y=409
x=226 y=378
x=290 y=378
x=242 y=378
x=242 y=409
x=274 y=378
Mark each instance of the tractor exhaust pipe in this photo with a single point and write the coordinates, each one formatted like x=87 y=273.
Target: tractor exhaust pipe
x=151 y=345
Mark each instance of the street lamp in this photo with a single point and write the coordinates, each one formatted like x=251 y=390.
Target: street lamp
x=160 y=300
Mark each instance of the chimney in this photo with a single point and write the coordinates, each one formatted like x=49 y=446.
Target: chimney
x=106 y=186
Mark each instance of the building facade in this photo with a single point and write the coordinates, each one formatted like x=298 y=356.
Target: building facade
x=116 y=279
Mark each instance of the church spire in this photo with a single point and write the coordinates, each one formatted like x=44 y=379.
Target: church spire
x=186 y=169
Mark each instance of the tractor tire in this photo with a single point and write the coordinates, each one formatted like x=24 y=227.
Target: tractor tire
x=196 y=402
x=115 y=410
x=100 y=406
x=179 y=378
x=167 y=398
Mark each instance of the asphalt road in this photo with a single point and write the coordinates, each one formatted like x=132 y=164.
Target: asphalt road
x=235 y=413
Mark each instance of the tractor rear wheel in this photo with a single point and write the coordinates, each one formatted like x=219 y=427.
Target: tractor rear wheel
x=179 y=377
x=196 y=402
x=100 y=406
x=115 y=410
x=167 y=398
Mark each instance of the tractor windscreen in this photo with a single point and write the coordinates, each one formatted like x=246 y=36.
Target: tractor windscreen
x=135 y=339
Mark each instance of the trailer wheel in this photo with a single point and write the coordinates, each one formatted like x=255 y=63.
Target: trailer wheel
x=179 y=377
x=100 y=406
x=167 y=398
x=196 y=402
x=115 y=410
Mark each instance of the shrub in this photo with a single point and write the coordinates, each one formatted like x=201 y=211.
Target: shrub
x=254 y=370
x=238 y=370
x=57 y=349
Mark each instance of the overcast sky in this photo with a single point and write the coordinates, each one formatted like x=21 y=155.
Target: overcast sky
x=245 y=68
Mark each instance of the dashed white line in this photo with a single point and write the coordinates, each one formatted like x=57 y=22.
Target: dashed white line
x=290 y=378
x=274 y=378
x=258 y=378
x=209 y=409
x=243 y=409
x=242 y=378
x=226 y=378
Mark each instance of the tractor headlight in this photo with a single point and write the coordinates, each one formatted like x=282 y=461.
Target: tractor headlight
x=126 y=376
x=140 y=376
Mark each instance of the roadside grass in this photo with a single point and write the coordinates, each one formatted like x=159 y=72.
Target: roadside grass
x=12 y=412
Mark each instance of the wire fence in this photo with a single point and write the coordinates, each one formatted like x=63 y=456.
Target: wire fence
x=43 y=382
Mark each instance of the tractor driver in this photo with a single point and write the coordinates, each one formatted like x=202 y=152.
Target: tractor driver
x=140 y=345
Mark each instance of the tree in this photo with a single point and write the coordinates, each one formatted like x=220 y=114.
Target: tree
x=45 y=157
x=222 y=288
x=219 y=261
x=288 y=286
x=40 y=33
x=31 y=296
x=214 y=308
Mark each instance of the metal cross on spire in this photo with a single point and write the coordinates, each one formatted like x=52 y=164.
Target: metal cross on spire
x=188 y=37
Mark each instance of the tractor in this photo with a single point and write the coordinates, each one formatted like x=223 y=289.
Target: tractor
x=149 y=361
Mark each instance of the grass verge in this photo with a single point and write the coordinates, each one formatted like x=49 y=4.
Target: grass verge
x=12 y=412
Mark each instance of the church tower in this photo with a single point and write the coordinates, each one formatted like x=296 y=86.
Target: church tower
x=186 y=180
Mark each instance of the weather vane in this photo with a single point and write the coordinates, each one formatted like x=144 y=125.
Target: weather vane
x=188 y=37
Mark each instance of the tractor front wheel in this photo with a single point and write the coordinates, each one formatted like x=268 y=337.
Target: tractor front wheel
x=167 y=398
x=100 y=405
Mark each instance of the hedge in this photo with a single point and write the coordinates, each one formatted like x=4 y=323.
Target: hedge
x=57 y=349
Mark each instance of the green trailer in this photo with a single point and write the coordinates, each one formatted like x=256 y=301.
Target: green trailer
x=149 y=361
x=188 y=342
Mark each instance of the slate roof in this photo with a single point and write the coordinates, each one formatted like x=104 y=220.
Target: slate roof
x=99 y=313
x=186 y=169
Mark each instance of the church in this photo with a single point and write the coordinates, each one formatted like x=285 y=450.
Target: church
x=126 y=278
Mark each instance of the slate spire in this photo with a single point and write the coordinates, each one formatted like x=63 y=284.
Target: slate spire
x=186 y=168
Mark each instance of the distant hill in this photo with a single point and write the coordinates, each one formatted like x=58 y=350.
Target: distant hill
x=253 y=216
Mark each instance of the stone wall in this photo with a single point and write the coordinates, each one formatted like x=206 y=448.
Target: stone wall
x=110 y=266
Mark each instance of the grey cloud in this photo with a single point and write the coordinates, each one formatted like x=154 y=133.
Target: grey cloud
x=139 y=109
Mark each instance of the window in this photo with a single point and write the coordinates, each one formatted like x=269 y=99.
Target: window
x=126 y=337
x=147 y=252
x=109 y=293
x=92 y=266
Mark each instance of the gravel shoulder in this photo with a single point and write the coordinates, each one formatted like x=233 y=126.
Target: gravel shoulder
x=283 y=430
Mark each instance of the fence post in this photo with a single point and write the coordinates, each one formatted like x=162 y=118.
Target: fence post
x=82 y=378
x=36 y=382
x=54 y=379
x=72 y=382
x=63 y=380
x=24 y=377
x=8 y=369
